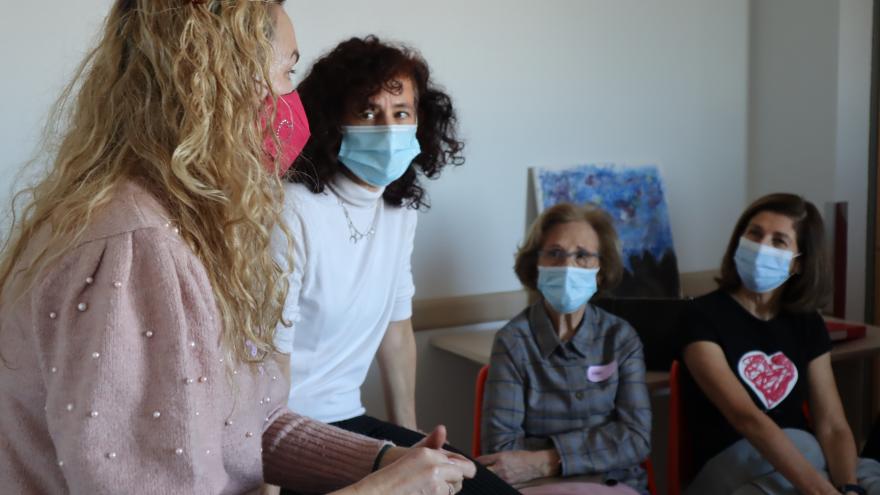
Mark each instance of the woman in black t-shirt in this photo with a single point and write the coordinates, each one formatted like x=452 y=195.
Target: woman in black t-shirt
x=755 y=351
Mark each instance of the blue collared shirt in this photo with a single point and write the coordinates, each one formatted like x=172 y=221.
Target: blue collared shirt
x=586 y=397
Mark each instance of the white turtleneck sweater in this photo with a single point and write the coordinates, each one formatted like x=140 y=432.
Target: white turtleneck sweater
x=343 y=294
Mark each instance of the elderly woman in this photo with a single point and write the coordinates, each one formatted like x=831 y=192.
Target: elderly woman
x=566 y=393
x=755 y=351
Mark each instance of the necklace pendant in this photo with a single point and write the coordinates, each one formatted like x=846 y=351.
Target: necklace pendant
x=356 y=235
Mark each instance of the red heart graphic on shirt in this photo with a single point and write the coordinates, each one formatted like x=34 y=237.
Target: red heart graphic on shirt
x=772 y=378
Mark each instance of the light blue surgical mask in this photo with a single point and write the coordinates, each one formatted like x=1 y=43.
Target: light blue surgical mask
x=567 y=288
x=762 y=268
x=377 y=154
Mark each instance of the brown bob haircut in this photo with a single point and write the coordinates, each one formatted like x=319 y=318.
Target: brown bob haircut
x=808 y=289
x=610 y=263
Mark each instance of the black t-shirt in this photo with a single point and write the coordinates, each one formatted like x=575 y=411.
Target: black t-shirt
x=770 y=358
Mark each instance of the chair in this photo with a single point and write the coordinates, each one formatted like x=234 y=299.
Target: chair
x=478 y=414
x=679 y=451
x=478 y=411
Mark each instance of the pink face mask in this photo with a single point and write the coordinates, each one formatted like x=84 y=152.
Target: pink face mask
x=292 y=129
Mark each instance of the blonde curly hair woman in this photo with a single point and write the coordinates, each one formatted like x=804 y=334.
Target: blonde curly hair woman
x=139 y=295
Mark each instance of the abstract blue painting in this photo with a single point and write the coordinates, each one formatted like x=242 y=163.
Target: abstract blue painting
x=635 y=198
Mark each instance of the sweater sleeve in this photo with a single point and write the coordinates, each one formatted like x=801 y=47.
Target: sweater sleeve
x=127 y=341
x=315 y=457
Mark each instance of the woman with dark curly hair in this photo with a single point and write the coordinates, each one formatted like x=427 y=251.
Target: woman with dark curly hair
x=379 y=123
x=345 y=89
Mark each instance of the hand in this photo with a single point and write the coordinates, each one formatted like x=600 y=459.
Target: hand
x=417 y=470
x=519 y=466
x=825 y=488
x=819 y=485
x=434 y=440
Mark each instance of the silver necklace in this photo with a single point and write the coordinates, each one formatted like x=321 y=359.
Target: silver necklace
x=355 y=234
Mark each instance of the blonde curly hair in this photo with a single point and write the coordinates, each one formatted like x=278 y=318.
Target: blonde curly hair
x=172 y=96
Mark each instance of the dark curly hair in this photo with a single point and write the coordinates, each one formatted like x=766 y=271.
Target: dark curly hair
x=348 y=76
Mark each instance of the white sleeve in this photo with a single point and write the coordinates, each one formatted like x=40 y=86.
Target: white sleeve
x=280 y=247
x=406 y=289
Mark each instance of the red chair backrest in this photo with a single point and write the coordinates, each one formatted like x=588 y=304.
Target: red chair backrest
x=478 y=410
x=648 y=466
x=807 y=414
x=679 y=454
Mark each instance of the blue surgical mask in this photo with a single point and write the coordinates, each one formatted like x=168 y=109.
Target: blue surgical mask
x=762 y=268
x=379 y=155
x=567 y=288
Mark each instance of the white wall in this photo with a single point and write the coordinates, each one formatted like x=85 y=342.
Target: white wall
x=40 y=46
x=809 y=111
x=536 y=83
x=564 y=82
x=793 y=106
x=853 y=140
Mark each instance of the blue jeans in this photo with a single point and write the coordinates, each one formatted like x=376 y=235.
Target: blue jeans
x=741 y=470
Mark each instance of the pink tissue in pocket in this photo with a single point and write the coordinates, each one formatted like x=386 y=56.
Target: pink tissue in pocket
x=602 y=372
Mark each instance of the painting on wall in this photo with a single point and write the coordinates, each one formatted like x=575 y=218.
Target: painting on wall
x=634 y=197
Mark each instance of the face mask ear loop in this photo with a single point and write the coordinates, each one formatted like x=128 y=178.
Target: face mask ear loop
x=282 y=100
x=796 y=256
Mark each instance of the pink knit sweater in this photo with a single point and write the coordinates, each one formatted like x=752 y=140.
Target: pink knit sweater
x=114 y=380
